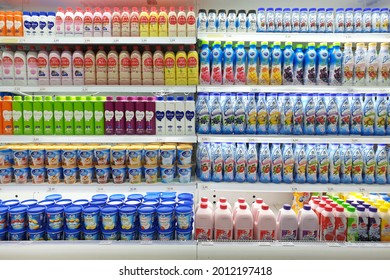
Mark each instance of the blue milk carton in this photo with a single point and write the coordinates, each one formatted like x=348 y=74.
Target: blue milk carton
x=240 y=163
x=265 y=163
x=312 y=164
x=286 y=114
x=369 y=163
x=288 y=65
x=298 y=114
x=346 y=164
x=215 y=114
x=288 y=163
x=204 y=162
x=202 y=114
x=322 y=65
x=274 y=114
x=309 y=114
x=227 y=113
x=345 y=115
x=357 y=164
x=217 y=162
x=380 y=114
x=320 y=112
x=262 y=114
x=239 y=114
x=300 y=163
x=381 y=164
x=332 y=115
x=252 y=162
x=228 y=154
x=356 y=114
x=368 y=115
x=334 y=164
x=323 y=163
x=276 y=163
x=310 y=61
x=251 y=114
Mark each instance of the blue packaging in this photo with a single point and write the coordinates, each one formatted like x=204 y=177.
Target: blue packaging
x=215 y=112
x=152 y=195
x=86 y=175
x=298 y=115
x=98 y=203
x=146 y=217
x=54 y=175
x=17 y=235
x=110 y=235
x=3 y=217
x=184 y=234
x=135 y=196
x=91 y=234
x=375 y=20
x=38 y=175
x=85 y=157
x=54 y=234
x=53 y=158
x=135 y=203
x=90 y=217
x=115 y=203
x=265 y=163
x=103 y=197
x=184 y=215
x=119 y=174
x=165 y=217
x=274 y=114
x=127 y=217
x=320 y=114
x=303 y=20
x=147 y=234
x=381 y=164
x=368 y=115
x=380 y=114
x=102 y=174
x=241 y=163
x=323 y=164
x=73 y=216
x=128 y=235
x=11 y=202
x=321 y=20
x=72 y=234
x=135 y=174
x=21 y=175
x=167 y=174
x=345 y=115
x=251 y=114
x=171 y=203
x=168 y=196
x=239 y=114
x=3 y=235
x=36 y=217
x=276 y=163
x=46 y=203
x=185 y=196
x=70 y=175
x=53 y=197
x=227 y=100
x=356 y=114
x=55 y=217
x=109 y=217
x=18 y=217
x=262 y=115
x=369 y=164
x=29 y=202
x=358 y=20
x=312 y=20
x=202 y=114
x=216 y=162
x=166 y=235
x=36 y=235
x=37 y=157
x=357 y=164
x=346 y=164
x=81 y=202
x=332 y=113
x=203 y=159
x=312 y=164
x=118 y=196
x=334 y=163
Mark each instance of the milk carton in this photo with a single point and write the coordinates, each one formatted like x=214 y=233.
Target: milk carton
x=241 y=163
x=170 y=116
x=265 y=163
x=252 y=163
x=276 y=163
x=287 y=224
x=288 y=163
x=216 y=162
x=381 y=164
x=228 y=153
x=223 y=228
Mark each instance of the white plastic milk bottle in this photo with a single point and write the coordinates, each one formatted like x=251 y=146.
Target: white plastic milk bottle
x=147 y=66
x=90 y=66
x=223 y=228
x=191 y=22
x=32 y=67
x=287 y=224
x=20 y=66
x=204 y=223
x=79 y=23
x=106 y=22
x=206 y=201
x=308 y=228
x=125 y=22
x=66 y=67
x=101 y=67
x=223 y=200
x=136 y=73
x=43 y=67
x=113 y=66
x=237 y=205
x=8 y=67
x=158 y=66
x=69 y=23
x=181 y=23
x=256 y=206
x=97 y=23
x=265 y=224
x=55 y=67
x=243 y=223
x=172 y=22
x=78 y=67
x=134 y=23
x=60 y=23
x=124 y=67
x=88 y=23
x=116 y=23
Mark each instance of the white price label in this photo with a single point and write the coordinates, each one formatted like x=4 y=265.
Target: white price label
x=205 y=188
x=287 y=36
x=105 y=242
x=36 y=140
x=348 y=36
x=159 y=139
x=22 y=40
x=100 y=189
x=253 y=89
x=51 y=189
x=146 y=242
x=295 y=140
x=362 y=189
x=287 y=244
x=170 y=188
x=350 y=90
x=264 y=243
x=17 y=89
x=87 y=40
x=115 y=40
x=330 y=189
x=42 y=89
x=56 y=40
x=144 y=40
x=84 y=89
x=172 y=40
x=132 y=189
x=251 y=140
x=294 y=189
x=333 y=244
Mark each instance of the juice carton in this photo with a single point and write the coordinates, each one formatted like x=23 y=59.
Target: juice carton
x=276 y=163
x=384 y=65
x=99 y=115
x=300 y=159
x=356 y=114
x=310 y=114
x=252 y=163
x=265 y=163
x=240 y=64
x=374 y=225
x=228 y=154
x=205 y=57
x=357 y=164
x=215 y=114
x=298 y=65
x=227 y=113
x=170 y=69
x=332 y=112
x=228 y=64
x=223 y=227
x=309 y=64
x=193 y=66
x=274 y=114
x=359 y=78
x=89 y=115
x=262 y=115
x=298 y=114
x=202 y=114
x=216 y=162
x=251 y=114
x=287 y=224
x=48 y=116
x=369 y=164
x=372 y=65
x=320 y=113
x=380 y=114
x=241 y=163
x=381 y=164
x=368 y=115
x=252 y=78
x=288 y=59
x=58 y=107
x=322 y=65
x=312 y=164
x=239 y=114
x=79 y=118
x=204 y=162
x=38 y=115
x=323 y=164
x=181 y=63
x=276 y=65
x=17 y=115
x=144 y=23
x=288 y=163
x=348 y=65
x=264 y=66
x=327 y=223
x=345 y=115
x=335 y=77
x=334 y=164
x=346 y=163
x=69 y=115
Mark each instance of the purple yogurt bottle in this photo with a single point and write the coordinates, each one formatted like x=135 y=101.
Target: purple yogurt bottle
x=109 y=120
x=120 y=120
x=140 y=115
x=130 y=114
x=150 y=115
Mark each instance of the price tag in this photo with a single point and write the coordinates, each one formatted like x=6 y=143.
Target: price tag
x=132 y=189
x=84 y=89
x=287 y=36
x=87 y=40
x=159 y=139
x=294 y=189
x=350 y=90
x=100 y=189
x=348 y=36
x=51 y=189
x=105 y=242
x=287 y=244
x=115 y=40
x=333 y=244
x=264 y=244
x=251 y=140
x=170 y=188
x=22 y=40
x=205 y=188
x=330 y=189
x=382 y=90
x=42 y=89
x=172 y=40
x=144 y=40
x=354 y=140
x=362 y=189
x=253 y=89
x=295 y=140
x=146 y=242
x=36 y=140
x=17 y=89
x=207 y=243
x=56 y=40
x=229 y=35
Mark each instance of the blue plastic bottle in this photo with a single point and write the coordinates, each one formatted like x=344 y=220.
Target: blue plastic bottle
x=380 y=114
x=264 y=66
x=227 y=113
x=368 y=115
x=322 y=65
x=323 y=164
x=215 y=114
x=334 y=163
x=345 y=115
x=310 y=61
x=286 y=114
x=298 y=65
x=251 y=114
x=288 y=65
x=265 y=163
x=332 y=114
x=262 y=115
x=356 y=114
x=276 y=65
x=205 y=68
x=216 y=162
x=312 y=164
x=274 y=114
x=216 y=63
x=346 y=164
x=369 y=164
x=320 y=110
x=298 y=114
x=335 y=74
x=202 y=114
x=240 y=64
x=288 y=163
x=252 y=163
x=357 y=164
x=276 y=163
x=381 y=164
x=300 y=159
x=229 y=159
x=239 y=114
x=310 y=114
x=241 y=163
x=228 y=64
x=204 y=162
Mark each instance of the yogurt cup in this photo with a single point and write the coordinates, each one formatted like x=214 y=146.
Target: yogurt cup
x=81 y=202
x=3 y=235
x=165 y=217
x=115 y=203
x=54 y=234
x=53 y=156
x=118 y=174
x=186 y=203
x=102 y=174
x=135 y=203
x=64 y=202
x=151 y=174
x=147 y=235
x=152 y=195
x=46 y=203
x=72 y=234
x=90 y=217
x=98 y=203
x=184 y=216
x=117 y=196
x=55 y=217
x=184 y=154
x=18 y=217
x=5 y=175
x=146 y=215
x=151 y=202
x=86 y=175
x=38 y=175
x=184 y=234
x=100 y=197
x=167 y=174
x=36 y=217
x=5 y=157
x=110 y=235
x=128 y=234
x=171 y=203
x=168 y=154
x=185 y=196
x=118 y=155
x=184 y=172
x=91 y=235
x=70 y=175
x=166 y=235
x=37 y=155
x=54 y=197
x=21 y=175
x=127 y=217
x=135 y=155
x=36 y=235
x=11 y=203
x=151 y=154
x=69 y=156
x=54 y=175
x=109 y=217
x=73 y=216
x=102 y=155
x=20 y=157
x=3 y=217
x=85 y=156
x=135 y=174
x=17 y=235
x=168 y=196
x=135 y=196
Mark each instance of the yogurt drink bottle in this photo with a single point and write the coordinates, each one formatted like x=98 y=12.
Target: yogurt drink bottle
x=287 y=224
x=265 y=224
x=243 y=223
x=223 y=227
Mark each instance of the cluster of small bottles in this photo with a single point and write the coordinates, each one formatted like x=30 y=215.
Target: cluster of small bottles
x=302 y=20
x=11 y=23
x=321 y=65
x=289 y=163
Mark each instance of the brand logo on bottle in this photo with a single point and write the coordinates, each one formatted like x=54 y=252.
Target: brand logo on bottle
x=169 y=62
x=172 y=20
x=87 y=20
x=101 y=62
x=54 y=62
x=64 y=62
x=111 y=62
x=88 y=62
x=134 y=62
x=125 y=62
x=78 y=62
x=68 y=20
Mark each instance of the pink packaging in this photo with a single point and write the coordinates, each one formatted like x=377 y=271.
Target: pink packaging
x=140 y=116
x=150 y=115
x=109 y=121
x=120 y=120
x=129 y=114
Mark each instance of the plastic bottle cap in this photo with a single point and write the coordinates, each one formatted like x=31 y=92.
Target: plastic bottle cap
x=328 y=208
x=322 y=204
x=241 y=200
x=223 y=199
x=311 y=44
x=18 y=98
x=373 y=209
x=242 y=206
x=340 y=209
x=223 y=206
x=307 y=207
x=204 y=199
x=384 y=209
x=259 y=200
x=203 y=206
x=351 y=209
x=287 y=207
x=316 y=201
x=264 y=207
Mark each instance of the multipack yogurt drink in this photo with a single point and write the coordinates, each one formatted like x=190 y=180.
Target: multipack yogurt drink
x=323 y=164
x=264 y=64
x=228 y=154
x=223 y=226
x=288 y=163
x=312 y=164
x=240 y=64
x=384 y=65
x=241 y=163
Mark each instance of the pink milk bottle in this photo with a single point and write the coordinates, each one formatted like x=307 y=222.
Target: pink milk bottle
x=150 y=115
x=308 y=224
x=243 y=223
x=204 y=223
x=256 y=206
x=223 y=228
x=265 y=224
x=130 y=114
x=327 y=224
x=120 y=120
x=340 y=224
x=109 y=121
x=237 y=206
x=319 y=209
x=140 y=116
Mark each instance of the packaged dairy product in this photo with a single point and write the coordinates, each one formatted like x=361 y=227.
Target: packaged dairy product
x=193 y=66
x=78 y=67
x=124 y=66
x=59 y=23
x=113 y=67
x=158 y=66
x=252 y=74
x=276 y=65
x=231 y=21
x=170 y=69
x=223 y=227
x=69 y=23
x=374 y=225
x=101 y=67
x=88 y=23
x=276 y=163
x=205 y=70
x=20 y=67
x=162 y=23
x=170 y=122
x=125 y=22
x=153 y=22
x=42 y=24
x=181 y=23
x=107 y=22
x=116 y=23
x=216 y=63
x=310 y=58
x=265 y=224
x=372 y=64
x=181 y=65
x=228 y=64
x=241 y=163
x=243 y=223
x=172 y=23
x=308 y=228
x=98 y=23
x=191 y=22
x=286 y=224
x=79 y=23
x=327 y=224
x=144 y=22
x=384 y=65
x=136 y=66
x=190 y=116
x=90 y=66
x=55 y=67
x=204 y=223
x=66 y=67
x=240 y=64
x=135 y=23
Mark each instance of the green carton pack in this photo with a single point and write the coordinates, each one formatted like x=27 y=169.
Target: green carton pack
x=48 y=116
x=38 y=115
x=79 y=122
x=99 y=115
x=89 y=115
x=17 y=115
x=28 y=121
x=58 y=106
x=69 y=115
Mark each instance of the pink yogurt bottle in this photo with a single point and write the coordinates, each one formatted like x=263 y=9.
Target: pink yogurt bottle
x=140 y=115
x=130 y=114
x=150 y=115
x=120 y=119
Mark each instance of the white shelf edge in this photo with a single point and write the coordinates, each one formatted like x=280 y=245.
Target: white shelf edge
x=296 y=37
x=292 y=89
x=97 y=40
x=294 y=187
x=96 y=139
x=96 y=90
